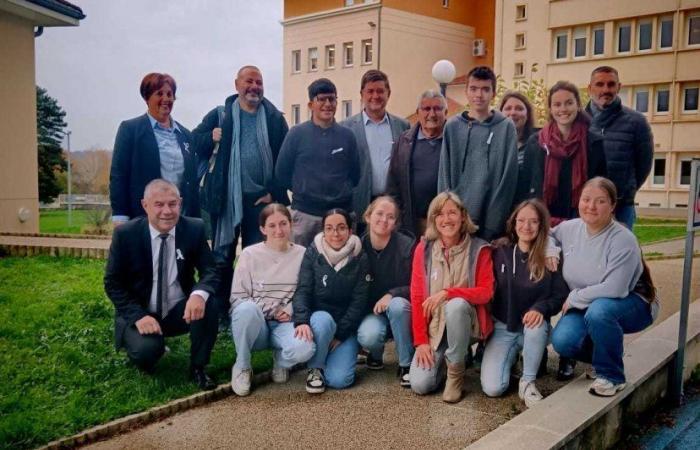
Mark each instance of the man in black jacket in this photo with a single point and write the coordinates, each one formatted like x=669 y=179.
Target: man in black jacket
x=150 y=279
x=627 y=140
x=239 y=181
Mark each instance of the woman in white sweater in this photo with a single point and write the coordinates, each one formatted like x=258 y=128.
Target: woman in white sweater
x=611 y=290
x=263 y=285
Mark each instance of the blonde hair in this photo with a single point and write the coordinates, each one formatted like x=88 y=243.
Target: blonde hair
x=538 y=249
x=375 y=202
x=431 y=232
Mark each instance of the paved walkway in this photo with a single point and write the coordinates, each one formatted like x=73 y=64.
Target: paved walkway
x=674 y=247
x=374 y=413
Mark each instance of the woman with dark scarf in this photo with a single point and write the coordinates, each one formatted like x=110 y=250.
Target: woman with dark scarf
x=561 y=157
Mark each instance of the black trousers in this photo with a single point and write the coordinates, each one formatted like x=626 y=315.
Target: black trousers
x=144 y=350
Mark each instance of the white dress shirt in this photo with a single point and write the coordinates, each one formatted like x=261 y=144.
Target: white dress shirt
x=175 y=293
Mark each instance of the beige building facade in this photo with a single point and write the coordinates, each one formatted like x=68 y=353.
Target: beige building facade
x=19 y=192
x=655 y=46
x=341 y=40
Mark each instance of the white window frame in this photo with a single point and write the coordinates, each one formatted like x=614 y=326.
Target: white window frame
x=579 y=33
x=593 y=41
x=520 y=41
x=637 y=90
x=296 y=61
x=520 y=7
x=519 y=69
x=680 y=167
x=330 y=49
x=659 y=32
x=296 y=114
x=557 y=35
x=638 y=38
x=624 y=95
x=347 y=108
x=684 y=90
x=367 y=51
x=445 y=3
x=313 y=59
x=652 y=182
x=693 y=15
x=658 y=89
x=348 y=50
x=618 y=27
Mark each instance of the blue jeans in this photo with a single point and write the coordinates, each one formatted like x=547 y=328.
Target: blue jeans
x=626 y=215
x=372 y=333
x=595 y=335
x=339 y=365
x=502 y=350
x=252 y=332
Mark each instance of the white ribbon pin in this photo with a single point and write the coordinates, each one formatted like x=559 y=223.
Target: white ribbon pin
x=178 y=254
x=323 y=280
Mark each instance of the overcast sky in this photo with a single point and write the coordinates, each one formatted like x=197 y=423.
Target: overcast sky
x=94 y=70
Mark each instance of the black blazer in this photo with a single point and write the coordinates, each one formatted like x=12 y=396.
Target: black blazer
x=129 y=274
x=136 y=162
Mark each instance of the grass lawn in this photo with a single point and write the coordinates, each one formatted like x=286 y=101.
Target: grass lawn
x=56 y=221
x=59 y=370
x=647 y=234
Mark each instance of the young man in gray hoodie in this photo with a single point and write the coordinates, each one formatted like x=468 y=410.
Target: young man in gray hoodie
x=479 y=158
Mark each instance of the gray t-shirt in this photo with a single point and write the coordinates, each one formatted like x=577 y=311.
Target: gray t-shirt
x=252 y=172
x=604 y=265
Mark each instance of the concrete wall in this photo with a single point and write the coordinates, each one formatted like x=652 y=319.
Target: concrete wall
x=18 y=145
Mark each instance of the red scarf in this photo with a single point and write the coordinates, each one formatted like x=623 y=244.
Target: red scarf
x=575 y=149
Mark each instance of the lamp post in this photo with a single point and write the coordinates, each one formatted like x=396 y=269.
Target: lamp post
x=70 y=200
x=443 y=73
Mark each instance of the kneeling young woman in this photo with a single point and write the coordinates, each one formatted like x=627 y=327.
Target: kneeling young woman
x=451 y=283
x=527 y=295
x=330 y=301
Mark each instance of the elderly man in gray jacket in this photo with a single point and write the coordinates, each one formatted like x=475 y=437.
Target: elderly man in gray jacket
x=376 y=131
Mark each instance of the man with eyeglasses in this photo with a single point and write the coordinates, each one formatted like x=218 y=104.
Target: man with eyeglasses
x=319 y=163
x=375 y=131
x=415 y=159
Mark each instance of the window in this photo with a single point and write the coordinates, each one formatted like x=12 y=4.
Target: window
x=690 y=99
x=308 y=114
x=684 y=179
x=519 y=70
x=519 y=41
x=296 y=114
x=349 y=2
x=598 y=41
x=520 y=12
x=445 y=3
x=561 y=43
x=666 y=32
x=296 y=61
x=347 y=108
x=694 y=29
x=313 y=59
x=367 y=51
x=347 y=54
x=579 y=42
x=641 y=100
x=330 y=56
x=624 y=36
x=624 y=95
x=663 y=96
x=658 y=177
x=644 y=35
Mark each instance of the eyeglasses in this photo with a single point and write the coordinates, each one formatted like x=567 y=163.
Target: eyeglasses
x=340 y=229
x=332 y=99
x=427 y=109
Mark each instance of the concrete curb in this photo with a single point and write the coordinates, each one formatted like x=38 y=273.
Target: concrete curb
x=155 y=414
x=571 y=418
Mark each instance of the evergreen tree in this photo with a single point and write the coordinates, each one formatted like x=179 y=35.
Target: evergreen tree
x=49 y=130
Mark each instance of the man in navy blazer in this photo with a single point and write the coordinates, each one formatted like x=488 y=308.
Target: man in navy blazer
x=152 y=146
x=150 y=279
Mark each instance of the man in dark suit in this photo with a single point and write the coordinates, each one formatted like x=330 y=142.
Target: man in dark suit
x=150 y=280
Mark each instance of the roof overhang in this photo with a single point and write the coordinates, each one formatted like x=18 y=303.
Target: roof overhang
x=38 y=15
x=332 y=13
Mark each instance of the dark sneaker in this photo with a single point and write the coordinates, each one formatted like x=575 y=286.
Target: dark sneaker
x=374 y=364
x=405 y=377
x=566 y=369
x=201 y=379
x=315 y=382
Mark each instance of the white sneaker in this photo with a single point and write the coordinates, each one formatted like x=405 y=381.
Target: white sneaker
x=590 y=373
x=240 y=381
x=605 y=388
x=280 y=375
x=528 y=392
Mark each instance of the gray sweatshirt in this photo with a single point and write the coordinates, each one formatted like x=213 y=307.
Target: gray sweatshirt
x=607 y=264
x=479 y=162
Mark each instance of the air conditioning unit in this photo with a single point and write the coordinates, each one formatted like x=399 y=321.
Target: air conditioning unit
x=479 y=47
